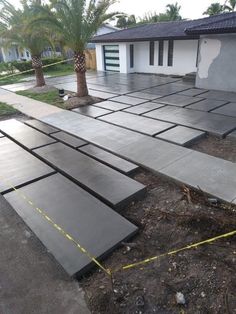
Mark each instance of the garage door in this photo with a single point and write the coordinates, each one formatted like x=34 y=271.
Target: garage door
x=111 y=58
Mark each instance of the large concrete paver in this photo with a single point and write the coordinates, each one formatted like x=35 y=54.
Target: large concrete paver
x=178 y=100
x=31 y=281
x=143 y=108
x=87 y=220
x=38 y=125
x=227 y=110
x=111 y=105
x=207 y=104
x=92 y=111
x=68 y=139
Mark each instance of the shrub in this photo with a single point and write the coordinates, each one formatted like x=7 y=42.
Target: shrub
x=26 y=65
x=7 y=67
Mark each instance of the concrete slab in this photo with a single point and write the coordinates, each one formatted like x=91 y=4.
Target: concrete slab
x=68 y=139
x=220 y=95
x=194 y=92
x=24 y=135
x=40 y=126
x=167 y=89
x=205 y=121
x=18 y=167
x=207 y=104
x=90 y=222
x=227 y=110
x=213 y=175
x=92 y=111
x=181 y=135
x=109 y=159
x=1 y=135
x=142 y=95
x=143 y=108
x=129 y=100
x=137 y=123
x=110 y=186
x=232 y=134
x=111 y=105
x=101 y=94
x=178 y=100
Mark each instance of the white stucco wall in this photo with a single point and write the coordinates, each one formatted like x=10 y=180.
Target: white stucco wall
x=217 y=66
x=184 y=59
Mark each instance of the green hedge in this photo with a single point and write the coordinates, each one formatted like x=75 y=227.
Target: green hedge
x=27 y=65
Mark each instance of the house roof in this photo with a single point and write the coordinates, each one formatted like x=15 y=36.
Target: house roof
x=184 y=29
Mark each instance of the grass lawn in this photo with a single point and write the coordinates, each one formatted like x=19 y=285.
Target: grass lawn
x=50 y=97
x=59 y=70
x=6 y=110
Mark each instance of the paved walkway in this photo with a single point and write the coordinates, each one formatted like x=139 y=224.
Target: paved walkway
x=212 y=175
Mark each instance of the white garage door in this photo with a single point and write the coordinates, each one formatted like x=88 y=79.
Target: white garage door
x=111 y=58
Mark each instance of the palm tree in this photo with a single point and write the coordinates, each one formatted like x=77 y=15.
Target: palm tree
x=172 y=12
x=77 y=21
x=14 y=30
x=214 y=8
x=230 y=5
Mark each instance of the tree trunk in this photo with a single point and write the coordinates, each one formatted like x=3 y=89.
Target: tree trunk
x=80 y=69
x=37 y=66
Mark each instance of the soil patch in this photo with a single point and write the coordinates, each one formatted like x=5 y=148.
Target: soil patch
x=218 y=147
x=170 y=217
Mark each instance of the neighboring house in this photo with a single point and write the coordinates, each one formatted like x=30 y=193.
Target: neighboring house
x=104 y=29
x=206 y=46
x=13 y=53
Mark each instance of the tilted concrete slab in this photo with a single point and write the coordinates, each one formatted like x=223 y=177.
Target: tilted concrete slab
x=181 y=135
x=40 y=126
x=227 y=110
x=18 y=167
x=24 y=135
x=112 y=187
x=212 y=175
x=205 y=121
x=111 y=105
x=143 y=108
x=207 y=104
x=137 y=123
x=109 y=159
x=92 y=111
x=68 y=139
x=87 y=220
x=178 y=100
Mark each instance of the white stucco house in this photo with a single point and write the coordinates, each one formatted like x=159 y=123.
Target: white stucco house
x=206 y=46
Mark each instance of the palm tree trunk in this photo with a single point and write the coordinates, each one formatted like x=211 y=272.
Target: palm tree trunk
x=80 y=69
x=37 y=66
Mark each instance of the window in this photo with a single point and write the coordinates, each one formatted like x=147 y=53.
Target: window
x=170 y=53
x=160 y=52
x=131 y=55
x=151 y=53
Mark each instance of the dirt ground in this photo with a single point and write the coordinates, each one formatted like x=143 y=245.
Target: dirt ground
x=169 y=218
x=218 y=147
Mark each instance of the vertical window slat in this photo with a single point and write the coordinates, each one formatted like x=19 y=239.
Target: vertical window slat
x=170 y=53
x=160 y=52
x=131 y=54
x=151 y=53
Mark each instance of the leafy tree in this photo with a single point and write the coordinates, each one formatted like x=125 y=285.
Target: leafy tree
x=125 y=21
x=214 y=8
x=172 y=12
x=230 y=5
x=76 y=22
x=14 y=30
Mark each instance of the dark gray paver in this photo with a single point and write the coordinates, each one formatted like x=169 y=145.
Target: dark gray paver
x=40 y=126
x=112 y=105
x=129 y=100
x=178 y=100
x=18 y=167
x=227 y=110
x=109 y=159
x=167 y=89
x=137 y=123
x=108 y=184
x=143 y=108
x=100 y=94
x=24 y=134
x=90 y=222
x=194 y=92
x=212 y=175
x=220 y=95
x=181 y=135
x=92 y=111
x=69 y=139
x=206 y=121
x=207 y=104
x=142 y=95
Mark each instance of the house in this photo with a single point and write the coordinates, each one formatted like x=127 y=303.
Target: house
x=206 y=46
x=13 y=53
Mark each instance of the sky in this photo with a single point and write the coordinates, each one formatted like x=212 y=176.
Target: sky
x=190 y=9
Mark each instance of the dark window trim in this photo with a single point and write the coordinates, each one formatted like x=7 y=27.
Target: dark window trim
x=131 y=55
x=151 y=52
x=160 y=52
x=170 y=53
x=198 y=47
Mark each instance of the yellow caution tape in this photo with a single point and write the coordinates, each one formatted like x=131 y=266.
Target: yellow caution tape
x=31 y=70
x=92 y=258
